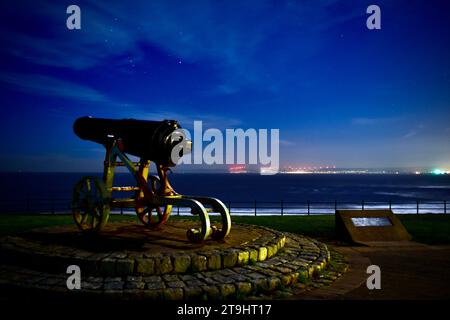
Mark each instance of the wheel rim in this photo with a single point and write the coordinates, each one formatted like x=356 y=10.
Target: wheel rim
x=151 y=216
x=89 y=209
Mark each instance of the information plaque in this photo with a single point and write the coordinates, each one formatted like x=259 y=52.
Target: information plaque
x=369 y=227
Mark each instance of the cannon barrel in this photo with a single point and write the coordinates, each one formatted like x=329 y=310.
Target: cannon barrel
x=149 y=140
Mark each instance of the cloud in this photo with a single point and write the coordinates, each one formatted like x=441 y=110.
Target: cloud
x=410 y=134
x=372 y=121
x=287 y=143
x=231 y=37
x=226 y=89
x=48 y=86
x=187 y=119
x=41 y=85
x=98 y=39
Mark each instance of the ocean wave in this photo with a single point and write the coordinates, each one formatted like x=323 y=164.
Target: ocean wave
x=433 y=187
x=401 y=194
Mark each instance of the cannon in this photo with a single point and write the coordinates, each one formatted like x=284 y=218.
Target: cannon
x=160 y=142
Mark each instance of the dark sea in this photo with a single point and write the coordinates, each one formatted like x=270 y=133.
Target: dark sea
x=52 y=191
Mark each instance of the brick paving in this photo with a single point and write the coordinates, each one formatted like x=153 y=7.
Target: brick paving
x=254 y=261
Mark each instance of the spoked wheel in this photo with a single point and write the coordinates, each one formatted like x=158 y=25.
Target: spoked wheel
x=90 y=208
x=151 y=216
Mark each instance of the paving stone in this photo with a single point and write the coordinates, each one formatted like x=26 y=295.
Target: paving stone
x=259 y=284
x=176 y=284
x=273 y=283
x=155 y=285
x=187 y=277
x=113 y=285
x=239 y=270
x=173 y=293
x=133 y=278
x=242 y=258
x=214 y=260
x=212 y=292
x=116 y=255
x=194 y=283
x=226 y=290
x=163 y=265
x=222 y=279
x=112 y=279
x=181 y=263
x=286 y=280
x=243 y=288
x=124 y=266
x=238 y=277
x=254 y=275
x=107 y=266
x=91 y=285
x=229 y=258
x=152 y=279
x=253 y=254
x=226 y=272
x=209 y=281
x=262 y=254
x=199 y=263
x=170 y=277
x=283 y=270
x=135 y=285
x=270 y=251
x=145 y=266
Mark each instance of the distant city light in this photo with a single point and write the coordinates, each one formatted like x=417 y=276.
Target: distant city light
x=237 y=169
x=440 y=171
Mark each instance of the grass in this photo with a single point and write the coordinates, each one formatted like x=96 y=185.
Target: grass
x=12 y=223
x=429 y=229
x=424 y=228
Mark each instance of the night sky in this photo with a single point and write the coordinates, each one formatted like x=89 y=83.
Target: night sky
x=340 y=94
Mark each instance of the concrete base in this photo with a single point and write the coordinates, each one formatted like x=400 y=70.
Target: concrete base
x=128 y=261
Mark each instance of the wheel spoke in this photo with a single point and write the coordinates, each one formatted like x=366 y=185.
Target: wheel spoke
x=84 y=218
x=88 y=185
x=89 y=210
x=93 y=219
x=159 y=211
x=150 y=215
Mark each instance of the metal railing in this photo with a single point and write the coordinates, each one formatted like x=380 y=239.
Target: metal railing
x=249 y=208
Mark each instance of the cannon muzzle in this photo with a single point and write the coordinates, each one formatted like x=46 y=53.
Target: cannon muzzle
x=149 y=140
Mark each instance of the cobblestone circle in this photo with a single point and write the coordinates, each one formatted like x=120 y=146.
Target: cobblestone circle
x=268 y=262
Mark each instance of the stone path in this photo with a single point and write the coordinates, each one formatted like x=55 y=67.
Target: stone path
x=413 y=272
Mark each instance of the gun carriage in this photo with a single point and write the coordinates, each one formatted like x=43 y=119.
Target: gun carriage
x=160 y=142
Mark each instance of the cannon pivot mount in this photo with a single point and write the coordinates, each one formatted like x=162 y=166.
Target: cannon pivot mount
x=153 y=197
